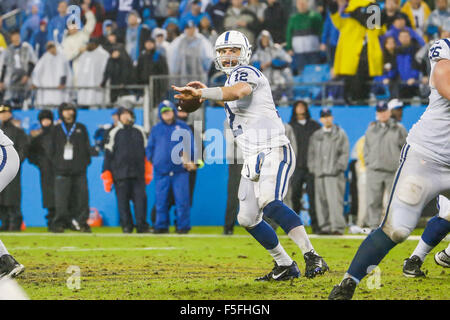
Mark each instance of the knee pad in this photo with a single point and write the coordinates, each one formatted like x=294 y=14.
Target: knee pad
x=410 y=191
x=248 y=221
x=397 y=234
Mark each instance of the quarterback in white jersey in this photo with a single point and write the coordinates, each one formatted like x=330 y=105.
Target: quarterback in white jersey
x=269 y=160
x=423 y=174
x=9 y=166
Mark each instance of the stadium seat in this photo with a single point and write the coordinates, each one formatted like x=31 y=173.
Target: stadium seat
x=311 y=73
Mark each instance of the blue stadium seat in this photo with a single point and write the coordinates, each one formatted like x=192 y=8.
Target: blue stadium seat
x=311 y=73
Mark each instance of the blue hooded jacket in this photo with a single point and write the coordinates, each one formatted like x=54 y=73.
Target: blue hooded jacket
x=160 y=146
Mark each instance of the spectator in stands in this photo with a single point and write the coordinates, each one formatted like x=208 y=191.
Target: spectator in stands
x=194 y=14
x=390 y=11
x=173 y=31
x=207 y=30
x=398 y=25
x=152 y=63
x=358 y=55
x=190 y=53
x=389 y=77
x=30 y=25
x=303 y=33
x=124 y=8
x=18 y=66
x=119 y=72
x=52 y=70
x=70 y=158
x=330 y=37
x=273 y=14
x=241 y=19
x=328 y=156
x=234 y=160
x=97 y=9
x=148 y=20
x=171 y=169
x=303 y=127
x=407 y=67
x=2 y=62
x=110 y=7
x=51 y=9
x=437 y=19
x=384 y=140
x=258 y=8
x=88 y=72
x=160 y=36
x=172 y=15
x=274 y=62
x=418 y=12
x=39 y=39
x=10 y=197
x=40 y=156
x=57 y=24
x=125 y=167
x=217 y=13
x=74 y=43
x=135 y=35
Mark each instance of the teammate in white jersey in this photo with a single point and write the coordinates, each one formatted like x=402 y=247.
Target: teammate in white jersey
x=423 y=174
x=269 y=160
x=9 y=166
x=429 y=240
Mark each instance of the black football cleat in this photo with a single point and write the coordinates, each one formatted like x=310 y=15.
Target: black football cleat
x=315 y=265
x=9 y=267
x=281 y=273
x=344 y=290
x=411 y=267
x=442 y=259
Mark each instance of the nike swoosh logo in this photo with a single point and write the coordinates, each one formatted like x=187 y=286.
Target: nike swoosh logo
x=279 y=275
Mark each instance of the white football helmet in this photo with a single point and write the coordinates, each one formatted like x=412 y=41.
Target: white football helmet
x=232 y=39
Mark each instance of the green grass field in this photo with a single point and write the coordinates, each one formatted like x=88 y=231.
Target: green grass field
x=198 y=266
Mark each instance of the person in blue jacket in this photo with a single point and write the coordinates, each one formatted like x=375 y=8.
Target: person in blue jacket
x=170 y=149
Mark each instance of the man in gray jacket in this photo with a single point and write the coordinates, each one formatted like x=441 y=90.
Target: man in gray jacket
x=384 y=140
x=328 y=159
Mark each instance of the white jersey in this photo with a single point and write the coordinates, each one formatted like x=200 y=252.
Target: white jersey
x=4 y=140
x=254 y=120
x=431 y=134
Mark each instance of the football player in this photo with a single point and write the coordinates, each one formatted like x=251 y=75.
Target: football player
x=269 y=160
x=430 y=239
x=9 y=166
x=423 y=174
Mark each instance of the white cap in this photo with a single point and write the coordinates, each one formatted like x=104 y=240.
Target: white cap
x=394 y=104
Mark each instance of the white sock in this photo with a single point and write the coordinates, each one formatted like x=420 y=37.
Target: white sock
x=447 y=251
x=421 y=250
x=280 y=256
x=3 y=249
x=299 y=236
x=346 y=275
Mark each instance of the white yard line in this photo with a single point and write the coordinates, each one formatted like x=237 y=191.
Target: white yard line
x=191 y=235
x=76 y=249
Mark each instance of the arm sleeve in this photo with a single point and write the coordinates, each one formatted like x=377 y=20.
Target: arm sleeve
x=150 y=146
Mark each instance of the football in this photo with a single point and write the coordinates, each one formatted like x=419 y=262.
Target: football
x=190 y=105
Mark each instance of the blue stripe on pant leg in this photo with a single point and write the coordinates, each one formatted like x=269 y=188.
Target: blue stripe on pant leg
x=287 y=171
x=280 y=172
x=4 y=158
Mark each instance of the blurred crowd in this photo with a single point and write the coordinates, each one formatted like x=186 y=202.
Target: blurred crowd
x=118 y=43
